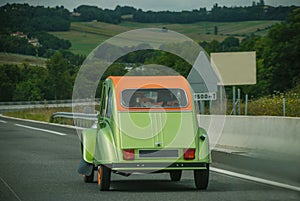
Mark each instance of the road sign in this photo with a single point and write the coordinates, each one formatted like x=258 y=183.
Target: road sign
x=235 y=68
x=205 y=96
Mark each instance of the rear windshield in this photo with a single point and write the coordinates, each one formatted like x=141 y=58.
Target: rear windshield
x=149 y=98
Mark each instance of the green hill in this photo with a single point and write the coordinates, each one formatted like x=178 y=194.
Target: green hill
x=85 y=36
x=10 y=58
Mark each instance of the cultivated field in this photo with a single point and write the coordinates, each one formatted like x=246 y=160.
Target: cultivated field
x=85 y=36
x=9 y=58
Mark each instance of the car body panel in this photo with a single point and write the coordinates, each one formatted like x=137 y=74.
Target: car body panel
x=157 y=129
x=88 y=142
x=106 y=151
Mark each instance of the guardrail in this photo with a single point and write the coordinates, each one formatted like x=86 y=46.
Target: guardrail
x=45 y=102
x=21 y=105
x=79 y=119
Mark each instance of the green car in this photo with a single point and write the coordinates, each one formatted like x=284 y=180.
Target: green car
x=146 y=124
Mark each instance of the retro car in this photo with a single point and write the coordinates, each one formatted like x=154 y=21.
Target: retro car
x=146 y=124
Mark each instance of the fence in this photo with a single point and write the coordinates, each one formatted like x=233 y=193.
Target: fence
x=266 y=106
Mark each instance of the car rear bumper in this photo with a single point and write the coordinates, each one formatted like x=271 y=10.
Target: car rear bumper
x=142 y=167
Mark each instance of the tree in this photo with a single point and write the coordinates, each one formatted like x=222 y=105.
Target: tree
x=9 y=76
x=31 y=85
x=230 y=44
x=58 y=82
x=284 y=59
x=23 y=17
x=261 y=3
x=216 y=30
x=213 y=46
x=28 y=91
x=16 y=45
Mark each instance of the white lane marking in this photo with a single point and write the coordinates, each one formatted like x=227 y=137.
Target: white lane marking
x=256 y=179
x=39 y=129
x=3 y=121
x=11 y=190
x=43 y=122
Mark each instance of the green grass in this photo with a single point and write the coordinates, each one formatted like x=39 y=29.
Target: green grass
x=272 y=105
x=82 y=42
x=9 y=58
x=44 y=114
x=85 y=36
x=198 y=30
x=38 y=114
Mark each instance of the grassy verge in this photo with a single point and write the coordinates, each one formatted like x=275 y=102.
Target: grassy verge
x=271 y=106
x=38 y=114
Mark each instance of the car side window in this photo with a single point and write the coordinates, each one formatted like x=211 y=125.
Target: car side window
x=103 y=101
x=106 y=104
x=109 y=104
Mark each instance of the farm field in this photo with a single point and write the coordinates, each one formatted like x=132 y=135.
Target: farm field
x=85 y=36
x=10 y=58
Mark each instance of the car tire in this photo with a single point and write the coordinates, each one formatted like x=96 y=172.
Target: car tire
x=89 y=179
x=103 y=178
x=201 y=178
x=175 y=175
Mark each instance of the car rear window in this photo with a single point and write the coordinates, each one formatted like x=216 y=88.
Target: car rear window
x=149 y=98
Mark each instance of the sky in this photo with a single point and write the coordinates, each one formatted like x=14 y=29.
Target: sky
x=155 y=5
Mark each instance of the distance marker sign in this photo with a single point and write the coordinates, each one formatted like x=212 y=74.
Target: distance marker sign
x=205 y=96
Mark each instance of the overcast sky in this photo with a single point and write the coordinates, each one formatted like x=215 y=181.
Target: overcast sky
x=172 y=5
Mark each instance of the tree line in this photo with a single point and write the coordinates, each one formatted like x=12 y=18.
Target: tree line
x=25 y=18
x=47 y=44
x=20 y=23
x=32 y=83
x=36 y=21
x=257 y=11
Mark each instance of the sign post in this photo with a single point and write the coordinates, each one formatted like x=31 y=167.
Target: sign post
x=235 y=68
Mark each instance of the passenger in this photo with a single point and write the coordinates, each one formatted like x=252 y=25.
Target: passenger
x=167 y=99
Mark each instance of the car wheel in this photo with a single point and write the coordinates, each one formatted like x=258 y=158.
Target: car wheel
x=201 y=178
x=175 y=175
x=88 y=179
x=103 y=178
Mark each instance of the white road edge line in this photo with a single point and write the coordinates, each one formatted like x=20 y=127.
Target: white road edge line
x=13 y=192
x=256 y=179
x=43 y=122
x=39 y=129
x=3 y=121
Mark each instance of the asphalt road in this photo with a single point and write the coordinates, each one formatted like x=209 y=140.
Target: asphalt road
x=39 y=165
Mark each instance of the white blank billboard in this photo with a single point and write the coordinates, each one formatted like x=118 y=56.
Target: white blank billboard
x=235 y=68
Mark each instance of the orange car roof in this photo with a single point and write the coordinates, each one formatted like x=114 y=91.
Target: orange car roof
x=135 y=82
x=132 y=82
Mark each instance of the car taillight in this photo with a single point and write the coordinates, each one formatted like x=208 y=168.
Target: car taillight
x=128 y=154
x=189 y=154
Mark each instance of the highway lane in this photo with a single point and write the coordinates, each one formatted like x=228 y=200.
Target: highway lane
x=39 y=165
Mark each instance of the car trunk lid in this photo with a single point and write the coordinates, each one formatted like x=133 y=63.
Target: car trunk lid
x=157 y=130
